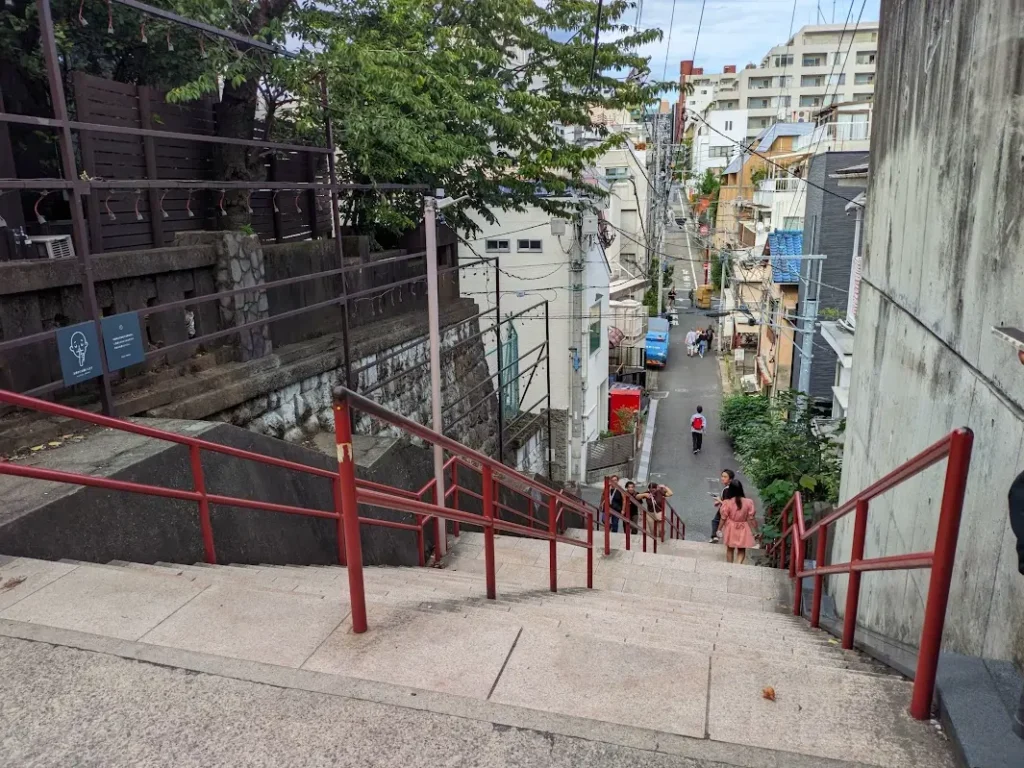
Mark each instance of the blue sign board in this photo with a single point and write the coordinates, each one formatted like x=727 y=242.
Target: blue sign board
x=122 y=340
x=79 y=350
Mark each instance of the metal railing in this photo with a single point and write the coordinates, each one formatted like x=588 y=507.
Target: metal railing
x=956 y=449
x=348 y=492
x=667 y=523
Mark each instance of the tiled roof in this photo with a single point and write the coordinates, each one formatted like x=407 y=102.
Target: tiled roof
x=783 y=243
x=769 y=135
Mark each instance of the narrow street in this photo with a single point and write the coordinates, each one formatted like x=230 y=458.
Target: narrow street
x=690 y=382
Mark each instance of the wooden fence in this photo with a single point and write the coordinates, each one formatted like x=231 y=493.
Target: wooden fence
x=148 y=218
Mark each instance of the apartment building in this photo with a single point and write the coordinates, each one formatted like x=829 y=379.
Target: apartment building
x=716 y=139
x=819 y=66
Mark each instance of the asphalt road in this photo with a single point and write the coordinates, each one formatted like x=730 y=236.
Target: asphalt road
x=689 y=382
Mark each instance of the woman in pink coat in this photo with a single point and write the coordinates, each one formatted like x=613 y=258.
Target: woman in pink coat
x=735 y=530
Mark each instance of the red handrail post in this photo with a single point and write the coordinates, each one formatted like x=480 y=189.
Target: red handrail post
x=819 y=579
x=199 y=483
x=552 y=544
x=606 y=507
x=590 y=551
x=350 y=512
x=797 y=556
x=664 y=519
x=455 y=496
x=488 y=509
x=782 y=536
x=421 y=546
x=954 y=489
x=860 y=532
x=440 y=527
x=627 y=523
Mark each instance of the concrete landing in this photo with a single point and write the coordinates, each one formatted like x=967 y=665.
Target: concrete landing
x=644 y=680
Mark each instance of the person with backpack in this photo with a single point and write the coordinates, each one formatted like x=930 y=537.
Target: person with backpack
x=726 y=477
x=702 y=342
x=654 y=498
x=710 y=333
x=698 y=425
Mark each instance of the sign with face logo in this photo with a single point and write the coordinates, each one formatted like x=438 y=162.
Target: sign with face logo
x=79 y=350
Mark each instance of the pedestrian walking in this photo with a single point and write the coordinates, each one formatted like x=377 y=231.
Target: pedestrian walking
x=615 y=500
x=702 y=342
x=710 y=333
x=726 y=477
x=738 y=520
x=698 y=425
x=691 y=342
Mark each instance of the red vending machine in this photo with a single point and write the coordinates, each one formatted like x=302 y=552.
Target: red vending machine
x=623 y=396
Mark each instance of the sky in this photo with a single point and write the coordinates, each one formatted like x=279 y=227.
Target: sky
x=733 y=31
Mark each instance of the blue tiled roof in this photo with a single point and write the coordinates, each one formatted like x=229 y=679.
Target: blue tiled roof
x=783 y=243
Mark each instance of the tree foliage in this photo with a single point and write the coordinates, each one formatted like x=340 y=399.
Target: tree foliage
x=781 y=451
x=469 y=96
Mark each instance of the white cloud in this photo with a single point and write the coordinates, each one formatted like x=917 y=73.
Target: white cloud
x=736 y=32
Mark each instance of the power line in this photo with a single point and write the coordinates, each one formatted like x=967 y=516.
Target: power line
x=700 y=23
x=668 y=40
x=597 y=37
x=755 y=153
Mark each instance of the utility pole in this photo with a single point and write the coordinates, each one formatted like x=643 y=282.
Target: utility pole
x=810 y=315
x=576 y=471
x=431 y=205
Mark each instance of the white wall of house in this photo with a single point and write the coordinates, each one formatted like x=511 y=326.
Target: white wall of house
x=715 y=142
x=535 y=268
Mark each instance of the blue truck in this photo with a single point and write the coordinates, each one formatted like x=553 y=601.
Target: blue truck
x=656 y=343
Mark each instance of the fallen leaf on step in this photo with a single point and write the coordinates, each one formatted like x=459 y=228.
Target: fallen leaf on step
x=769 y=693
x=36 y=448
x=55 y=444
x=66 y=437
x=12 y=583
x=833 y=641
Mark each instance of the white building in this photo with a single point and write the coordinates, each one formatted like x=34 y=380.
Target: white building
x=810 y=71
x=716 y=139
x=533 y=254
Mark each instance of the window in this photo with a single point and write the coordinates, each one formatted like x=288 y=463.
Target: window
x=863 y=97
x=866 y=37
x=865 y=58
x=704 y=91
x=728 y=125
x=496 y=246
x=815 y=59
x=785 y=81
x=595 y=327
x=811 y=101
x=529 y=246
x=784 y=61
x=759 y=103
x=785 y=101
x=812 y=81
x=792 y=222
x=864 y=78
x=760 y=82
x=616 y=172
x=719 y=152
x=837 y=79
x=839 y=59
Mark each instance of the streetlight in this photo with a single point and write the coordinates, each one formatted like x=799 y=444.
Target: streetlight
x=431 y=205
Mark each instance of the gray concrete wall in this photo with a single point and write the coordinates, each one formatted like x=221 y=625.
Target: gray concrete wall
x=53 y=521
x=944 y=263
x=829 y=231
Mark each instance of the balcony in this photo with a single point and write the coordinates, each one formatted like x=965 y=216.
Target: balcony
x=836 y=136
x=765 y=194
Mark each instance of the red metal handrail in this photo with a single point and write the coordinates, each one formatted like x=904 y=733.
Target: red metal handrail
x=956 y=447
x=492 y=473
x=670 y=521
x=348 y=491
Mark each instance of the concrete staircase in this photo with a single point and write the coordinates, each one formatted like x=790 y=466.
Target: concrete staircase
x=670 y=656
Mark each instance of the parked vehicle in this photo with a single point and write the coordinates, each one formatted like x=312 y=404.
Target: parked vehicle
x=656 y=343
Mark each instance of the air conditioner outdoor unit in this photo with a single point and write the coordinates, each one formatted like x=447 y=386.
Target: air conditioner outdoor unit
x=53 y=246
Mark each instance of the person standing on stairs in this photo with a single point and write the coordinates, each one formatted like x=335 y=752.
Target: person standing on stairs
x=736 y=528
x=634 y=512
x=615 y=502
x=698 y=425
x=726 y=477
x=655 y=497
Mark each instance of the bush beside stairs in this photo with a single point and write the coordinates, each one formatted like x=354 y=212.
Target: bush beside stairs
x=678 y=655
